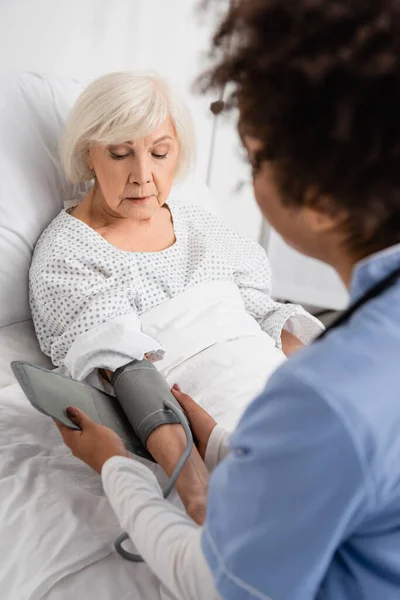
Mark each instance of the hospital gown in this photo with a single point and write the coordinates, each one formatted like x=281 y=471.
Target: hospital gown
x=82 y=288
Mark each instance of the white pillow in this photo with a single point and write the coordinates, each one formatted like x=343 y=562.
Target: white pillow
x=33 y=188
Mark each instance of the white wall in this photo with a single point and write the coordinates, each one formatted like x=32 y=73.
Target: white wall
x=230 y=181
x=303 y=280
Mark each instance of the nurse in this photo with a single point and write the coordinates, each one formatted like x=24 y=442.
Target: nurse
x=305 y=503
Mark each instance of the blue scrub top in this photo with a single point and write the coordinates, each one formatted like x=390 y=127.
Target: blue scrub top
x=307 y=504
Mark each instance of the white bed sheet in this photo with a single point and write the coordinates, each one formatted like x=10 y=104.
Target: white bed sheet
x=53 y=505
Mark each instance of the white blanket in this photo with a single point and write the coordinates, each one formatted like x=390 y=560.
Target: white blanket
x=57 y=528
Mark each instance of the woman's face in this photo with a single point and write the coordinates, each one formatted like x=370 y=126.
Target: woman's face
x=304 y=229
x=134 y=178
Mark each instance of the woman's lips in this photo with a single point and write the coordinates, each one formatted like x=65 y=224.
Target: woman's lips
x=138 y=200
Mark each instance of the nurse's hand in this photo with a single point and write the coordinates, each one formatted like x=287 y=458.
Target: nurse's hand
x=94 y=444
x=201 y=422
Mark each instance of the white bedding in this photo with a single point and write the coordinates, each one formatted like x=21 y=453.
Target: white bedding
x=57 y=529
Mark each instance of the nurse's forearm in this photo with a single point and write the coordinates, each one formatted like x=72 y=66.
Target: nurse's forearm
x=166 y=538
x=166 y=444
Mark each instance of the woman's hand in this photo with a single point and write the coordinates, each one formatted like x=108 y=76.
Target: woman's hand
x=290 y=343
x=94 y=444
x=200 y=421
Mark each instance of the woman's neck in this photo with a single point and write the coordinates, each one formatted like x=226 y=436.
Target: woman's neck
x=132 y=235
x=96 y=212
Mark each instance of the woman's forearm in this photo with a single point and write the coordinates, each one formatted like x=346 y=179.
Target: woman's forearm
x=290 y=343
x=167 y=444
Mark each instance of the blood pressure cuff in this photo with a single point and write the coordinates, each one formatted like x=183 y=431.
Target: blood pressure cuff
x=141 y=391
x=137 y=411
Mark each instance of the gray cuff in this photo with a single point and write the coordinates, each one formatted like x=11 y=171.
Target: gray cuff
x=141 y=391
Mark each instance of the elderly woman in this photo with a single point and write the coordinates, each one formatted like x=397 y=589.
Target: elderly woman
x=124 y=250
x=306 y=505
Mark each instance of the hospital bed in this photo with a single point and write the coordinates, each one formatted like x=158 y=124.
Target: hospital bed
x=56 y=527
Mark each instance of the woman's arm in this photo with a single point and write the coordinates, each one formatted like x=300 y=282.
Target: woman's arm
x=83 y=320
x=290 y=343
x=247 y=261
x=211 y=439
x=167 y=444
x=288 y=324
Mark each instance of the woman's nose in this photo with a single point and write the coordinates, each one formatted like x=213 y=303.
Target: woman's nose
x=140 y=173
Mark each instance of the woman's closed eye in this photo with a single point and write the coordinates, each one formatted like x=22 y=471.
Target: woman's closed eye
x=117 y=156
x=160 y=151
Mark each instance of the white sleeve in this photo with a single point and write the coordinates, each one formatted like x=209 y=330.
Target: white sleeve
x=217 y=447
x=84 y=320
x=111 y=345
x=253 y=278
x=166 y=538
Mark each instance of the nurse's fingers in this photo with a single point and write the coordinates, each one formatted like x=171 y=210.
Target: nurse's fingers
x=80 y=418
x=186 y=402
x=201 y=422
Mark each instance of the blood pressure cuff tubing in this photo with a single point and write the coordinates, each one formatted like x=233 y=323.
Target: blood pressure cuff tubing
x=141 y=391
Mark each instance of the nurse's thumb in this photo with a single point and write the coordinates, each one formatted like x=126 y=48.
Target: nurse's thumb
x=78 y=417
x=186 y=402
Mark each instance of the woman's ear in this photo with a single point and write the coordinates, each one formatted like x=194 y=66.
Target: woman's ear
x=89 y=161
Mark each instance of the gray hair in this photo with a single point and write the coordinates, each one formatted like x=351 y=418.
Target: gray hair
x=123 y=106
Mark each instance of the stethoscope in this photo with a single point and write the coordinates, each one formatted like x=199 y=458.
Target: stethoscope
x=373 y=292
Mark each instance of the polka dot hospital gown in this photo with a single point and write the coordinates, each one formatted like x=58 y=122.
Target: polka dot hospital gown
x=79 y=281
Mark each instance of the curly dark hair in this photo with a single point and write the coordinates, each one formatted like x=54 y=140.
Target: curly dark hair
x=318 y=83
